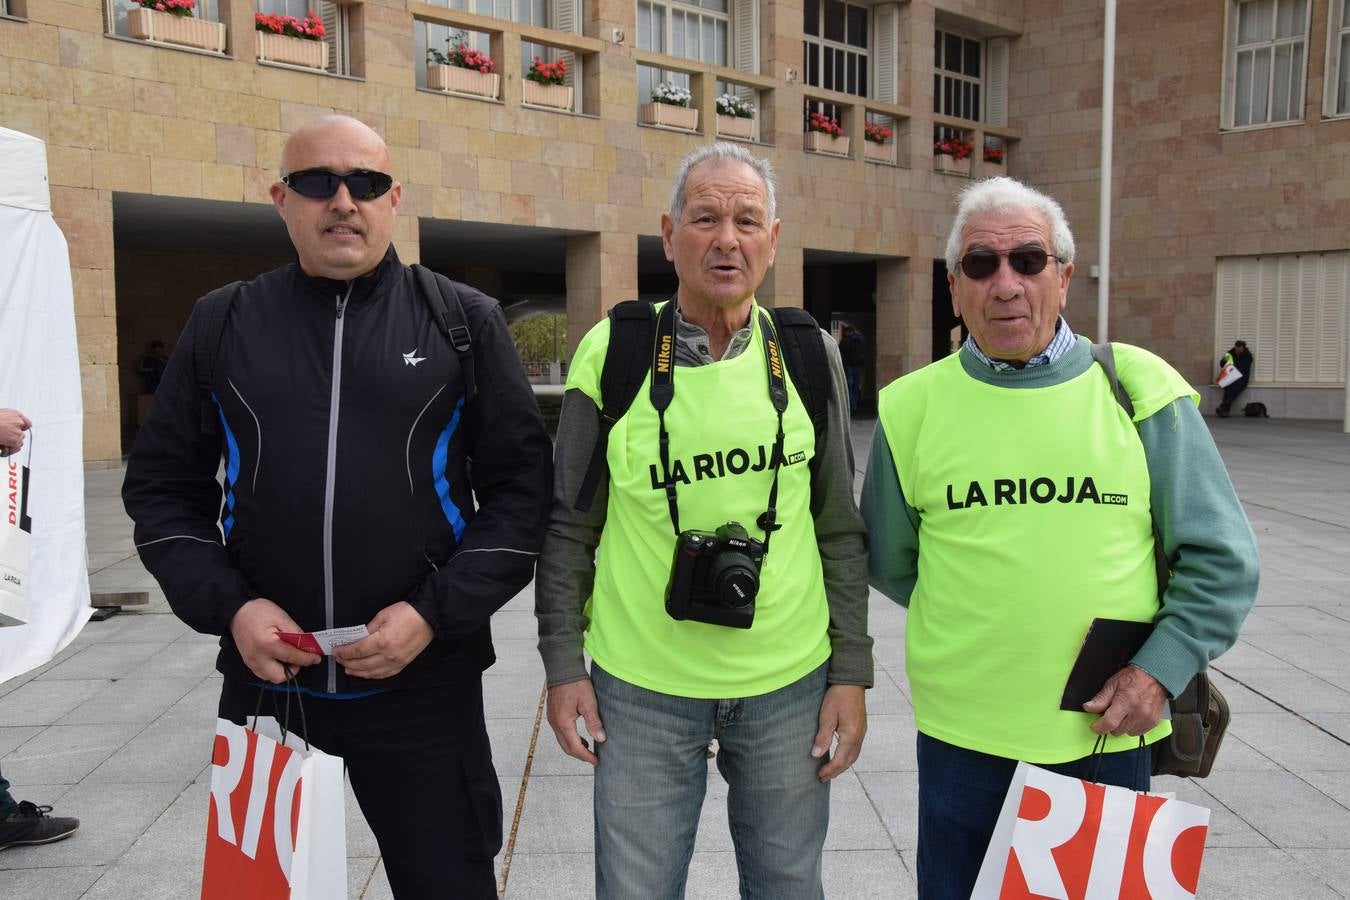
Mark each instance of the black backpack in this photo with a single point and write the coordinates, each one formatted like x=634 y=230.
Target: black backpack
x=629 y=357
x=437 y=291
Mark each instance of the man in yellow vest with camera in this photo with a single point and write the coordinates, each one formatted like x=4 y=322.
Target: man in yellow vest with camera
x=1010 y=500
x=705 y=549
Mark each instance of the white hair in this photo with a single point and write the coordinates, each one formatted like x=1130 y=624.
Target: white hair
x=1001 y=194
x=723 y=151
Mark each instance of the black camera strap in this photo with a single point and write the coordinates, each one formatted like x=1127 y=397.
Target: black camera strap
x=663 y=392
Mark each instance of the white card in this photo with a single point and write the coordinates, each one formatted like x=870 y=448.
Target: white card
x=338 y=637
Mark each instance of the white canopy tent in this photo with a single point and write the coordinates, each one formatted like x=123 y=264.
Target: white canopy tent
x=40 y=376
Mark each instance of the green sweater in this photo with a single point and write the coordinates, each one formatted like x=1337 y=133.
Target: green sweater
x=1205 y=533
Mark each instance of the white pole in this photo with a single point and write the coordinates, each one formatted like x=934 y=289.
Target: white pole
x=1345 y=423
x=1104 y=204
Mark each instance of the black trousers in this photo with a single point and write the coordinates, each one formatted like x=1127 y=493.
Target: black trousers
x=1230 y=394
x=421 y=767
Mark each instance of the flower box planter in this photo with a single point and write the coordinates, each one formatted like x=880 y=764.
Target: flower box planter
x=556 y=96
x=292 y=51
x=820 y=142
x=735 y=127
x=879 y=152
x=682 y=117
x=164 y=28
x=462 y=81
x=950 y=165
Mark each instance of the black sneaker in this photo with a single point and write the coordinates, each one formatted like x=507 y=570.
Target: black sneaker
x=32 y=825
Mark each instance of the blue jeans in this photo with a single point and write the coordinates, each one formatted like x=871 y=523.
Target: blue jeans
x=961 y=793
x=653 y=773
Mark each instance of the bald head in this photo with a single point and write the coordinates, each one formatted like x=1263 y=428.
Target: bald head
x=327 y=131
x=337 y=237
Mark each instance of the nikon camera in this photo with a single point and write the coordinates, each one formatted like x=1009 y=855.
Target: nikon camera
x=715 y=577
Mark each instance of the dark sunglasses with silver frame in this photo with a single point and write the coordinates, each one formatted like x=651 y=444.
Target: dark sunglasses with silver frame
x=980 y=264
x=320 y=184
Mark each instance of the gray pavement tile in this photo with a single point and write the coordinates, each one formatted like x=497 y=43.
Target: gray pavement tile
x=148 y=880
x=12 y=737
x=855 y=823
x=511 y=696
x=1335 y=785
x=137 y=627
x=1267 y=618
x=1241 y=698
x=1332 y=866
x=105 y=660
x=49 y=883
x=887 y=696
x=515 y=622
x=1292 y=742
x=178 y=835
x=1300 y=691
x=360 y=841
x=42 y=702
x=65 y=653
x=551 y=876
x=360 y=871
x=712 y=876
x=1226 y=828
x=511 y=747
x=176 y=660
x=867 y=875
x=1254 y=874
x=1237 y=756
x=895 y=797
x=64 y=754
x=197 y=708
x=889 y=746
x=377 y=886
x=1284 y=808
x=112 y=817
x=1336 y=723
x=130 y=700
x=517 y=656
x=1311 y=653
x=1246 y=655
x=162 y=751
x=558 y=815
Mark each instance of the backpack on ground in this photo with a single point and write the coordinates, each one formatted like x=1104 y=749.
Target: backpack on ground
x=628 y=358
x=437 y=291
x=1255 y=410
x=1200 y=712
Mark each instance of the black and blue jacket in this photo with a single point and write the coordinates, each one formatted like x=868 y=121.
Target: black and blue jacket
x=354 y=473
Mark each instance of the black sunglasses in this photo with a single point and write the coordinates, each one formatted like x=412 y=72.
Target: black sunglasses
x=979 y=264
x=321 y=184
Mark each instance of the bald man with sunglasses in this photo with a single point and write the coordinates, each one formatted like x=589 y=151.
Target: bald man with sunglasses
x=385 y=466
x=1010 y=500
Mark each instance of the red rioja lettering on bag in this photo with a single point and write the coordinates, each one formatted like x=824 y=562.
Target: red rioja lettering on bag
x=1074 y=839
x=255 y=810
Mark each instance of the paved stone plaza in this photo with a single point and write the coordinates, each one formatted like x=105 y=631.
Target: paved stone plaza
x=117 y=729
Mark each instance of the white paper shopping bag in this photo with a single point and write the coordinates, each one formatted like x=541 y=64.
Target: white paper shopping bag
x=1075 y=840
x=16 y=538
x=275 y=828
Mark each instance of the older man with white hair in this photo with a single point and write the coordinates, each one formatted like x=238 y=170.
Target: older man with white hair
x=1010 y=500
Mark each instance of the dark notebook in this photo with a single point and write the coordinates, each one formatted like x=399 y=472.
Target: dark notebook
x=1109 y=646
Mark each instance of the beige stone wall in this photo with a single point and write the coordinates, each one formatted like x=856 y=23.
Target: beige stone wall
x=123 y=116
x=1184 y=192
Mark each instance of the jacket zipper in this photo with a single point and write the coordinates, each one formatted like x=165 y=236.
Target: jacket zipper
x=330 y=481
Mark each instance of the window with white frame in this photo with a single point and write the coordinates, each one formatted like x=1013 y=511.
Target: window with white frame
x=1291 y=309
x=837 y=46
x=693 y=29
x=336 y=26
x=1266 y=63
x=561 y=15
x=115 y=12
x=1337 y=92
x=958 y=76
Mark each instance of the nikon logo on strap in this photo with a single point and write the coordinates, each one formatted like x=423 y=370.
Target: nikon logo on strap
x=1020 y=491
x=663 y=355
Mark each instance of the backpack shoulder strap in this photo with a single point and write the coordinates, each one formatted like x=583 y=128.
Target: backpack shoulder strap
x=804 y=354
x=632 y=332
x=1106 y=358
x=439 y=293
x=214 y=310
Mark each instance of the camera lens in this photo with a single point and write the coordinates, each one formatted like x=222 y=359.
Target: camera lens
x=735 y=580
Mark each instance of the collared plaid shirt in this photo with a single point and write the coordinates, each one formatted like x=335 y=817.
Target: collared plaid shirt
x=1060 y=344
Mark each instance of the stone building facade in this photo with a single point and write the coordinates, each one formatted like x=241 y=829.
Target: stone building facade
x=161 y=157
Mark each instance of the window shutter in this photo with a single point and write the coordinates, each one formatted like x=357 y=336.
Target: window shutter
x=885 y=50
x=1333 y=318
x=996 y=81
x=1331 y=84
x=745 y=53
x=335 y=36
x=1228 y=89
x=567 y=18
